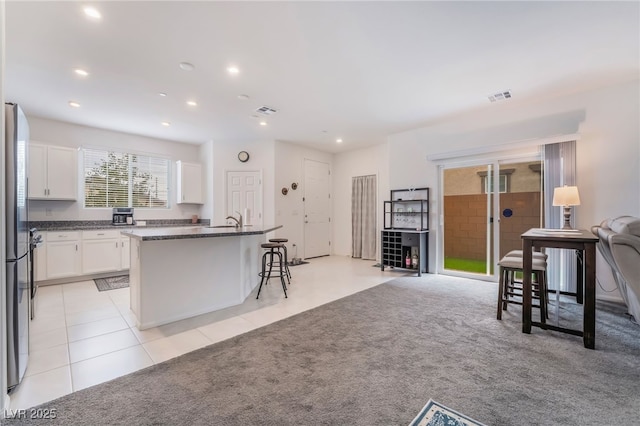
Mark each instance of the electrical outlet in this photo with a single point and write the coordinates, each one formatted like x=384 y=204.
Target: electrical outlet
x=48 y=212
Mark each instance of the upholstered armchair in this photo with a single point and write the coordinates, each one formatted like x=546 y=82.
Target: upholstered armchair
x=620 y=246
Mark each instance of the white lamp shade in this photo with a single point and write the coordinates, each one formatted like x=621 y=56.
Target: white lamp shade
x=566 y=196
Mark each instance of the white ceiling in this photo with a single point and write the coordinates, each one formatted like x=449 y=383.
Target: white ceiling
x=355 y=70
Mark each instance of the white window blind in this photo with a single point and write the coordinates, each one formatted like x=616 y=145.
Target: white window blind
x=119 y=179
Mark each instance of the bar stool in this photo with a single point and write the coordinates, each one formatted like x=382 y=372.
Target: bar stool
x=274 y=250
x=508 y=287
x=283 y=241
x=534 y=255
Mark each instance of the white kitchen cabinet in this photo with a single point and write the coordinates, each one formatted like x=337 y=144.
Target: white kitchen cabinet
x=125 y=249
x=63 y=252
x=53 y=172
x=189 y=183
x=100 y=251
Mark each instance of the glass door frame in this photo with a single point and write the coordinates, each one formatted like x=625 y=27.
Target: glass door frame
x=493 y=208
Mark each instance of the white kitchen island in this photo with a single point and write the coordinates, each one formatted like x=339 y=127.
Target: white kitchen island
x=178 y=273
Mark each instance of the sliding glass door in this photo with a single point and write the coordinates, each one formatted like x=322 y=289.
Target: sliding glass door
x=486 y=207
x=468 y=212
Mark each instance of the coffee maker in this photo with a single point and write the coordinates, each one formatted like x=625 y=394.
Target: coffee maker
x=122 y=216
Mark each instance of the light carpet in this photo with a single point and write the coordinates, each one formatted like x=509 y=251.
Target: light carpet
x=374 y=358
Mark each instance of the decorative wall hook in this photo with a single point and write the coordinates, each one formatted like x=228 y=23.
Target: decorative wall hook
x=294 y=185
x=285 y=191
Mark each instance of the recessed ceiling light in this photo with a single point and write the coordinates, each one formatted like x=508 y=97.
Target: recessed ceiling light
x=74 y=104
x=338 y=140
x=81 y=72
x=243 y=97
x=162 y=94
x=233 y=70
x=192 y=103
x=187 y=66
x=166 y=124
x=92 y=12
x=263 y=123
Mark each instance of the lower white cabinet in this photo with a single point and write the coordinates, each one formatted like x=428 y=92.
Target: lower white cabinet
x=100 y=251
x=125 y=249
x=67 y=254
x=63 y=254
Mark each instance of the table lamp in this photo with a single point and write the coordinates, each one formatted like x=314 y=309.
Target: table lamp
x=566 y=196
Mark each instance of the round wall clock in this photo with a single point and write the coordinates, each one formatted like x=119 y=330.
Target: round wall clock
x=243 y=156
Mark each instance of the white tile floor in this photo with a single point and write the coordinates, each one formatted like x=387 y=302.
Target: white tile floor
x=82 y=337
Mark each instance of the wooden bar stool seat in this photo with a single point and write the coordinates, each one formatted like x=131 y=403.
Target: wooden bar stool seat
x=534 y=255
x=273 y=251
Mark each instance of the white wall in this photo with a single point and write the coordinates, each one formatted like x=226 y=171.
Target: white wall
x=289 y=209
x=70 y=135
x=206 y=159
x=608 y=152
x=367 y=161
x=225 y=158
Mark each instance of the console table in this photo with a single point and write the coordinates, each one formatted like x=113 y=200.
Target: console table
x=583 y=242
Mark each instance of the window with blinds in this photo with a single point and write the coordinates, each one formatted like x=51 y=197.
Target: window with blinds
x=120 y=179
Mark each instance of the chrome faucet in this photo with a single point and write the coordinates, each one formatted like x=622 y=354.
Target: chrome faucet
x=238 y=222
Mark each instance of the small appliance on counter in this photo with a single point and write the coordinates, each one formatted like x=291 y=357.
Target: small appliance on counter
x=122 y=216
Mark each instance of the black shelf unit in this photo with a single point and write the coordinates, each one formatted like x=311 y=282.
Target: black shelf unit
x=406 y=230
x=407 y=209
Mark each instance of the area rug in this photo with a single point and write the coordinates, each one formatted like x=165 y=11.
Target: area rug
x=112 y=283
x=296 y=264
x=436 y=414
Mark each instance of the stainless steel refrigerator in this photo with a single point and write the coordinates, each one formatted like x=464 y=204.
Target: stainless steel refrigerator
x=18 y=244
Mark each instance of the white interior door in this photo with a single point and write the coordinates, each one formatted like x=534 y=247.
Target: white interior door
x=317 y=207
x=244 y=195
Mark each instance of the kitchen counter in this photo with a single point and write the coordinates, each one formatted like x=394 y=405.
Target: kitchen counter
x=154 y=234
x=181 y=272
x=87 y=225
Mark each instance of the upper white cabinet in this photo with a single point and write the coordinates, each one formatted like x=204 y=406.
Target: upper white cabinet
x=53 y=172
x=189 y=183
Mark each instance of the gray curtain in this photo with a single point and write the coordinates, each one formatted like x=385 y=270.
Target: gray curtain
x=363 y=217
x=559 y=170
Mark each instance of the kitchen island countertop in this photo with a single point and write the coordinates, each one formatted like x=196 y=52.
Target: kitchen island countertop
x=176 y=233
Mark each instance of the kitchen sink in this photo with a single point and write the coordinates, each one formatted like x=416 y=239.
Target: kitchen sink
x=227 y=226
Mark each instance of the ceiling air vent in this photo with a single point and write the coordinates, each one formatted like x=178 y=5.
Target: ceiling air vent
x=500 y=96
x=265 y=110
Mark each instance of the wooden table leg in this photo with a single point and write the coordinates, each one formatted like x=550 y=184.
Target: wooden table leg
x=590 y=296
x=579 y=277
x=527 y=246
